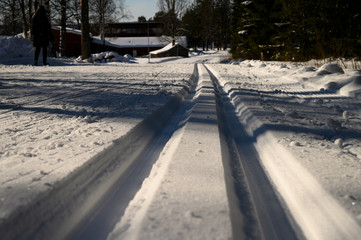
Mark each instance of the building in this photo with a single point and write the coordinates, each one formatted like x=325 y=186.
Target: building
x=132 y=29
x=73 y=41
x=136 y=39
x=139 y=46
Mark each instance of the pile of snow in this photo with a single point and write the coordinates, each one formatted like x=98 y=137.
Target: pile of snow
x=330 y=68
x=332 y=78
x=108 y=57
x=196 y=53
x=353 y=88
x=17 y=46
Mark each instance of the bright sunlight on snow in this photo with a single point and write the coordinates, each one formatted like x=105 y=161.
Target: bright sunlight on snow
x=305 y=119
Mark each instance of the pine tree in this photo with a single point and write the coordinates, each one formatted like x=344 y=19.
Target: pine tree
x=190 y=22
x=222 y=19
x=254 y=29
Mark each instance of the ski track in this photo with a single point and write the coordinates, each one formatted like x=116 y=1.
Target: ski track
x=314 y=208
x=130 y=224
x=38 y=130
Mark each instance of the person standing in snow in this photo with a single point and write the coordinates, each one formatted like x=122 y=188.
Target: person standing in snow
x=41 y=33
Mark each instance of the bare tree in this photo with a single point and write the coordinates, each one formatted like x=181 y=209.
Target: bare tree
x=105 y=11
x=173 y=11
x=74 y=11
x=24 y=18
x=9 y=17
x=30 y=13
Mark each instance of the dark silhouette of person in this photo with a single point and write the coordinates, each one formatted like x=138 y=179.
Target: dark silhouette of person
x=41 y=33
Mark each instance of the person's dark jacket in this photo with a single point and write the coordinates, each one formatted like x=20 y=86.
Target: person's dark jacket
x=41 y=29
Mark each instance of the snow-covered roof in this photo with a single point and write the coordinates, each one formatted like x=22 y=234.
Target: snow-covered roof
x=166 y=48
x=69 y=30
x=125 y=42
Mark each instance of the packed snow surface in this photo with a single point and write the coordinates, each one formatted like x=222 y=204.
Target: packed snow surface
x=57 y=117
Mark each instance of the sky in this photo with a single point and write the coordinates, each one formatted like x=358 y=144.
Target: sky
x=138 y=8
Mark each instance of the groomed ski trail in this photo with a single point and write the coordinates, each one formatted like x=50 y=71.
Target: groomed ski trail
x=185 y=196
x=312 y=212
x=199 y=172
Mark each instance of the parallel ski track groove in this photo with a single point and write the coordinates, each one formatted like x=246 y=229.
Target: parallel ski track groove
x=262 y=215
x=57 y=213
x=256 y=210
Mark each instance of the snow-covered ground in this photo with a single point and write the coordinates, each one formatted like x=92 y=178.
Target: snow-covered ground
x=55 y=118
x=304 y=128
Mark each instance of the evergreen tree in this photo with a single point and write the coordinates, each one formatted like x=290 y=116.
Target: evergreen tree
x=253 y=26
x=190 y=22
x=222 y=20
x=207 y=23
x=296 y=30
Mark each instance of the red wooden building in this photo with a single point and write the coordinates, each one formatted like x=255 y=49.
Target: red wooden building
x=73 y=41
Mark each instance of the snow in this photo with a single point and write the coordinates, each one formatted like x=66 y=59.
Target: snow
x=17 y=46
x=70 y=30
x=202 y=186
x=165 y=49
x=56 y=118
x=307 y=122
x=109 y=57
x=125 y=42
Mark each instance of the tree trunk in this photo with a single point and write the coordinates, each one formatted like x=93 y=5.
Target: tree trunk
x=30 y=16
x=85 y=40
x=24 y=20
x=63 y=28
x=174 y=19
x=101 y=25
x=13 y=17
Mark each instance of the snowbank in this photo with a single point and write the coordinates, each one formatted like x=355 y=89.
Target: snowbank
x=353 y=89
x=330 y=77
x=17 y=46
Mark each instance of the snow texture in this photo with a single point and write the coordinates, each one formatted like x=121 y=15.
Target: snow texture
x=55 y=118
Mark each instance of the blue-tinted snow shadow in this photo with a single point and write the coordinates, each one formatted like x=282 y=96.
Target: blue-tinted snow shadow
x=311 y=117
x=29 y=61
x=81 y=98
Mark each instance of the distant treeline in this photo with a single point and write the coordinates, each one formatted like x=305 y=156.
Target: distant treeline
x=296 y=30
x=206 y=23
